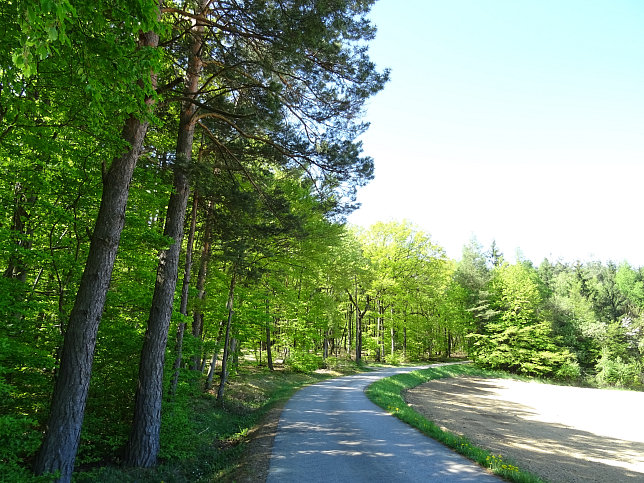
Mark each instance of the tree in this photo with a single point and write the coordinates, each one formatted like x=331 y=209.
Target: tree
x=143 y=445
x=61 y=441
x=291 y=69
x=518 y=338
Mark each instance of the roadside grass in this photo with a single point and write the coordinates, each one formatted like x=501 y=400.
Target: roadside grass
x=387 y=393
x=202 y=439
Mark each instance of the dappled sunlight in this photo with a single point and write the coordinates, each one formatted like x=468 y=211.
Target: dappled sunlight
x=331 y=427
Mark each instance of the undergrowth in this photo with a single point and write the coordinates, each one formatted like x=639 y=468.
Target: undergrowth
x=201 y=438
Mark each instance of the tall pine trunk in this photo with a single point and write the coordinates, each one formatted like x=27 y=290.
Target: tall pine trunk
x=59 y=447
x=183 y=308
x=143 y=445
x=269 y=352
x=197 y=318
x=224 y=358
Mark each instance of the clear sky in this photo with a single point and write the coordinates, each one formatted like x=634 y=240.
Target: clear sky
x=520 y=121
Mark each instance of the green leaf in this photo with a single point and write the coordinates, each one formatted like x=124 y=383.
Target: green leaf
x=52 y=33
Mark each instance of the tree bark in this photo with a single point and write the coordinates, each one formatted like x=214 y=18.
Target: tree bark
x=269 y=355
x=325 y=345
x=143 y=445
x=358 y=337
x=359 y=315
x=269 y=352
x=405 y=343
x=183 y=308
x=393 y=333
x=224 y=358
x=197 y=318
x=213 y=362
x=59 y=447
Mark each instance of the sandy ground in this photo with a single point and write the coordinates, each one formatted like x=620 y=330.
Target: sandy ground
x=563 y=434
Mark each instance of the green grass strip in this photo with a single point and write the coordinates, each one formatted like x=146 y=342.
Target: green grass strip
x=387 y=393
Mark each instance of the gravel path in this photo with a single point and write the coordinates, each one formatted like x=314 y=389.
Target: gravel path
x=331 y=432
x=563 y=434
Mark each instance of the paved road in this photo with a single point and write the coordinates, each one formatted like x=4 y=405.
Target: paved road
x=331 y=432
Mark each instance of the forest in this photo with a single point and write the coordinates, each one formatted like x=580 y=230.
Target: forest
x=175 y=179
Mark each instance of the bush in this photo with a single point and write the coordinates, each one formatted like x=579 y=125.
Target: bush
x=569 y=371
x=340 y=364
x=616 y=372
x=394 y=359
x=18 y=440
x=304 y=362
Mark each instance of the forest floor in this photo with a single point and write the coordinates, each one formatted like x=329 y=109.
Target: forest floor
x=561 y=433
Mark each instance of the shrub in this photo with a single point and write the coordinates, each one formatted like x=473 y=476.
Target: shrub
x=617 y=372
x=394 y=359
x=304 y=362
x=340 y=364
x=18 y=440
x=569 y=371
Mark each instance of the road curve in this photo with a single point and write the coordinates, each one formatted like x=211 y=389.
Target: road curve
x=330 y=432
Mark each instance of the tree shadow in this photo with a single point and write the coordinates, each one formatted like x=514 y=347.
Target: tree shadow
x=473 y=408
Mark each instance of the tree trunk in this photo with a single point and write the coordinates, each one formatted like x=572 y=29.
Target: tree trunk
x=349 y=339
x=358 y=337
x=269 y=355
x=269 y=352
x=404 y=342
x=224 y=358
x=197 y=318
x=143 y=445
x=213 y=361
x=359 y=315
x=234 y=345
x=381 y=333
x=325 y=345
x=60 y=444
x=183 y=308
x=211 y=372
x=16 y=267
x=392 y=332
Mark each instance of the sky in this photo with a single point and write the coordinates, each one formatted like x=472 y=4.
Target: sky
x=518 y=121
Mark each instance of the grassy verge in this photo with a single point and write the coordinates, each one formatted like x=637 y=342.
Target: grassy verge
x=201 y=439
x=387 y=393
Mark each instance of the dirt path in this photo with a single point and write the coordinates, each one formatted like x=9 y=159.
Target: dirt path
x=563 y=434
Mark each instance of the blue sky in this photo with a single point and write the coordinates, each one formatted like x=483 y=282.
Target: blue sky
x=513 y=120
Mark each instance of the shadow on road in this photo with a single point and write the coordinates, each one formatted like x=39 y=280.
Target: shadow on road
x=331 y=432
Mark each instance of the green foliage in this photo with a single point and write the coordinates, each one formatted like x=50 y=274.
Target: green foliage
x=305 y=362
x=203 y=440
x=71 y=77
x=340 y=364
x=616 y=372
x=394 y=359
x=19 y=439
x=182 y=429
x=568 y=371
x=518 y=338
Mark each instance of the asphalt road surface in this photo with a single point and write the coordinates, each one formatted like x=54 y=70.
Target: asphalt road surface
x=331 y=432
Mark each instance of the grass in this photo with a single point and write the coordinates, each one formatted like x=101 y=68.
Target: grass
x=204 y=438
x=387 y=393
